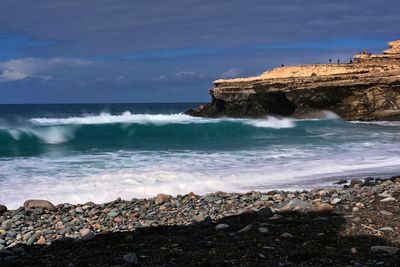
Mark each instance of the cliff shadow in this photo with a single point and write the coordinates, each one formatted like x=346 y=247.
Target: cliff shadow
x=251 y=239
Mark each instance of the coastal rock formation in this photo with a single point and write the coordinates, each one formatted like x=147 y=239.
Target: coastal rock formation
x=366 y=89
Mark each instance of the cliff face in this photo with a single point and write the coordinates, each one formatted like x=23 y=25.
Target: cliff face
x=368 y=89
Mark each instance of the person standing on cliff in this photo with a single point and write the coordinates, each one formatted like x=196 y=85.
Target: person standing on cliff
x=330 y=60
x=338 y=61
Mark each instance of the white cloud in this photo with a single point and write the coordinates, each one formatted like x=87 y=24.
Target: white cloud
x=231 y=73
x=19 y=69
x=189 y=75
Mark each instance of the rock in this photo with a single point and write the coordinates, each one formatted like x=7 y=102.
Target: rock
x=365 y=90
x=263 y=230
x=7 y=224
x=296 y=205
x=221 y=226
x=36 y=203
x=384 y=195
x=79 y=210
x=33 y=239
x=130 y=259
x=341 y=181
x=112 y=213
x=322 y=208
x=41 y=241
x=386 y=229
x=2 y=247
x=353 y=250
x=355 y=209
x=287 y=235
x=161 y=199
x=86 y=234
x=246 y=229
x=386 y=249
x=388 y=199
x=385 y=213
x=38 y=211
x=2 y=209
x=335 y=201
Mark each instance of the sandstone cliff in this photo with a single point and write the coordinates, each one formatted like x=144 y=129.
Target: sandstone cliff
x=368 y=89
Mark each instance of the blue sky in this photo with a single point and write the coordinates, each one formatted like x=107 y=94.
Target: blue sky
x=85 y=51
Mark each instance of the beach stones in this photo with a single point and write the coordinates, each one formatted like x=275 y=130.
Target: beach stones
x=130 y=259
x=221 y=226
x=36 y=203
x=86 y=234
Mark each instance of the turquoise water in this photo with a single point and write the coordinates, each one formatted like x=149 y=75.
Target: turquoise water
x=79 y=153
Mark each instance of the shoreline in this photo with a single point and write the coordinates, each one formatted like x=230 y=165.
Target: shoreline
x=373 y=201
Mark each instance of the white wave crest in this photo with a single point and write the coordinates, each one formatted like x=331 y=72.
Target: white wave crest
x=160 y=119
x=49 y=135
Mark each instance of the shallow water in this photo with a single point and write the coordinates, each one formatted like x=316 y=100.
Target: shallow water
x=79 y=153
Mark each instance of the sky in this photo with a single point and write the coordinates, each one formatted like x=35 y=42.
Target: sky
x=106 y=51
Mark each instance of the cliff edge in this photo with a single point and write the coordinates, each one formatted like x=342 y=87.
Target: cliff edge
x=366 y=89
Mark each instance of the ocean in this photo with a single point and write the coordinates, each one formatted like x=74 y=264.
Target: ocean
x=98 y=152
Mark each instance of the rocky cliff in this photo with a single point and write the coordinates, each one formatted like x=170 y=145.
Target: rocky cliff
x=367 y=89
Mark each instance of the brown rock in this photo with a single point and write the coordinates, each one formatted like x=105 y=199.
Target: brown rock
x=322 y=208
x=36 y=203
x=41 y=241
x=161 y=199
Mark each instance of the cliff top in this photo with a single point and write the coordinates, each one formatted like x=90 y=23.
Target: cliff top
x=327 y=69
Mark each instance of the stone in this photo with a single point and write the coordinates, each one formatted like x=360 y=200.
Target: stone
x=322 y=208
x=41 y=241
x=161 y=199
x=353 y=250
x=388 y=199
x=36 y=203
x=33 y=239
x=221 y=226
x=386 y=229
x=335 y=201
x=384 y=194
x=130 y=259
x=385 y=213
x=7 y=224
x=86 y=234
x=287 y=235
x=296 y=205
x=246 y=229
x=2 y=209
x=263 y=230
x=112 y=213
x=341 y=181
x=386 y=249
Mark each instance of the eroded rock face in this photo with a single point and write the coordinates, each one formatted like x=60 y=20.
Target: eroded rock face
x=368 y=89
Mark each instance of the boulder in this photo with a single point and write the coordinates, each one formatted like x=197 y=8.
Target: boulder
x=161 y=199
x=2 y=209
x=37 y=203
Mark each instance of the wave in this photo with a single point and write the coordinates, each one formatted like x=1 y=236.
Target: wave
x=159 y=119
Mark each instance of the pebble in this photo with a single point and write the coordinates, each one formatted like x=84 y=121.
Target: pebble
x=353 y=250
x=384 y=195
x=37 y=203
x=86 y=234
x=263 y=230
x=246 y=229
x=385 y=213
x=287 y=235
x=388 y=199
x=130 y=258
x=385 y=229
x=386 y=249
x=335 y=201
x=221 y=226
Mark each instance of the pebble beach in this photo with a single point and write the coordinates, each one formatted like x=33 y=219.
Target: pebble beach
x=366 y=208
